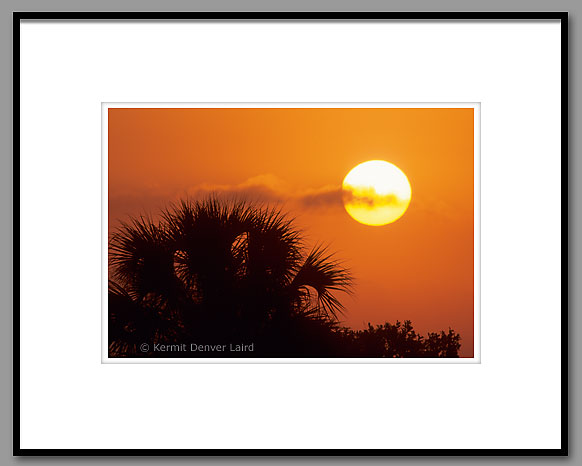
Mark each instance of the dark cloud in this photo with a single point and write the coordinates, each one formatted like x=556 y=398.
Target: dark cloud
x=263 y=188
x=325 y=197
x=249 y=193
x=270 y=189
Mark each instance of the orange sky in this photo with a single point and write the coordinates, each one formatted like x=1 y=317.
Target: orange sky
x=418 y=268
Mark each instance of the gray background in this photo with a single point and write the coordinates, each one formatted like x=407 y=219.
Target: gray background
x=574 y=7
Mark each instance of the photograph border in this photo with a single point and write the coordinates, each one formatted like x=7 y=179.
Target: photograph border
x=476 y=359
x=290 y=16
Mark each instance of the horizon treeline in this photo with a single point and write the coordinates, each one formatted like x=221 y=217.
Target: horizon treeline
x=230 y=272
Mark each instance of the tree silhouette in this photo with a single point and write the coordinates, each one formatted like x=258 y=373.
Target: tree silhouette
x=400 y=340
x=212 y=272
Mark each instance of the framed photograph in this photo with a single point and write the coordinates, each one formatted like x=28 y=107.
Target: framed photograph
x=305 y=224
x=238 y=203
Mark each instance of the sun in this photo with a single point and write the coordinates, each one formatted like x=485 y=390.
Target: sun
x=376 y=193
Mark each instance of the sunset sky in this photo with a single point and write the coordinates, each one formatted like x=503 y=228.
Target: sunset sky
x=418 y=268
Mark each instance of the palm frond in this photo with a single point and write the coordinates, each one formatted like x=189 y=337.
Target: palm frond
x=326 y=275
x=274 y=244
x=212 y=266
x=141 y=257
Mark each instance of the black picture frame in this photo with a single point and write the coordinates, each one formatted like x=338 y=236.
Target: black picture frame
x=293 y=16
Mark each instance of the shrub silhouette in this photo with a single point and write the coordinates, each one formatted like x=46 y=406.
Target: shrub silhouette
x=401 y=341
x=216 y=272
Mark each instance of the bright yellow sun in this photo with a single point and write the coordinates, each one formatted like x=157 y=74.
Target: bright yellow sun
x=376 y=193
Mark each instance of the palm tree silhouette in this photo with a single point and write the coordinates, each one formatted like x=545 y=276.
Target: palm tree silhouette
x=222 y=271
